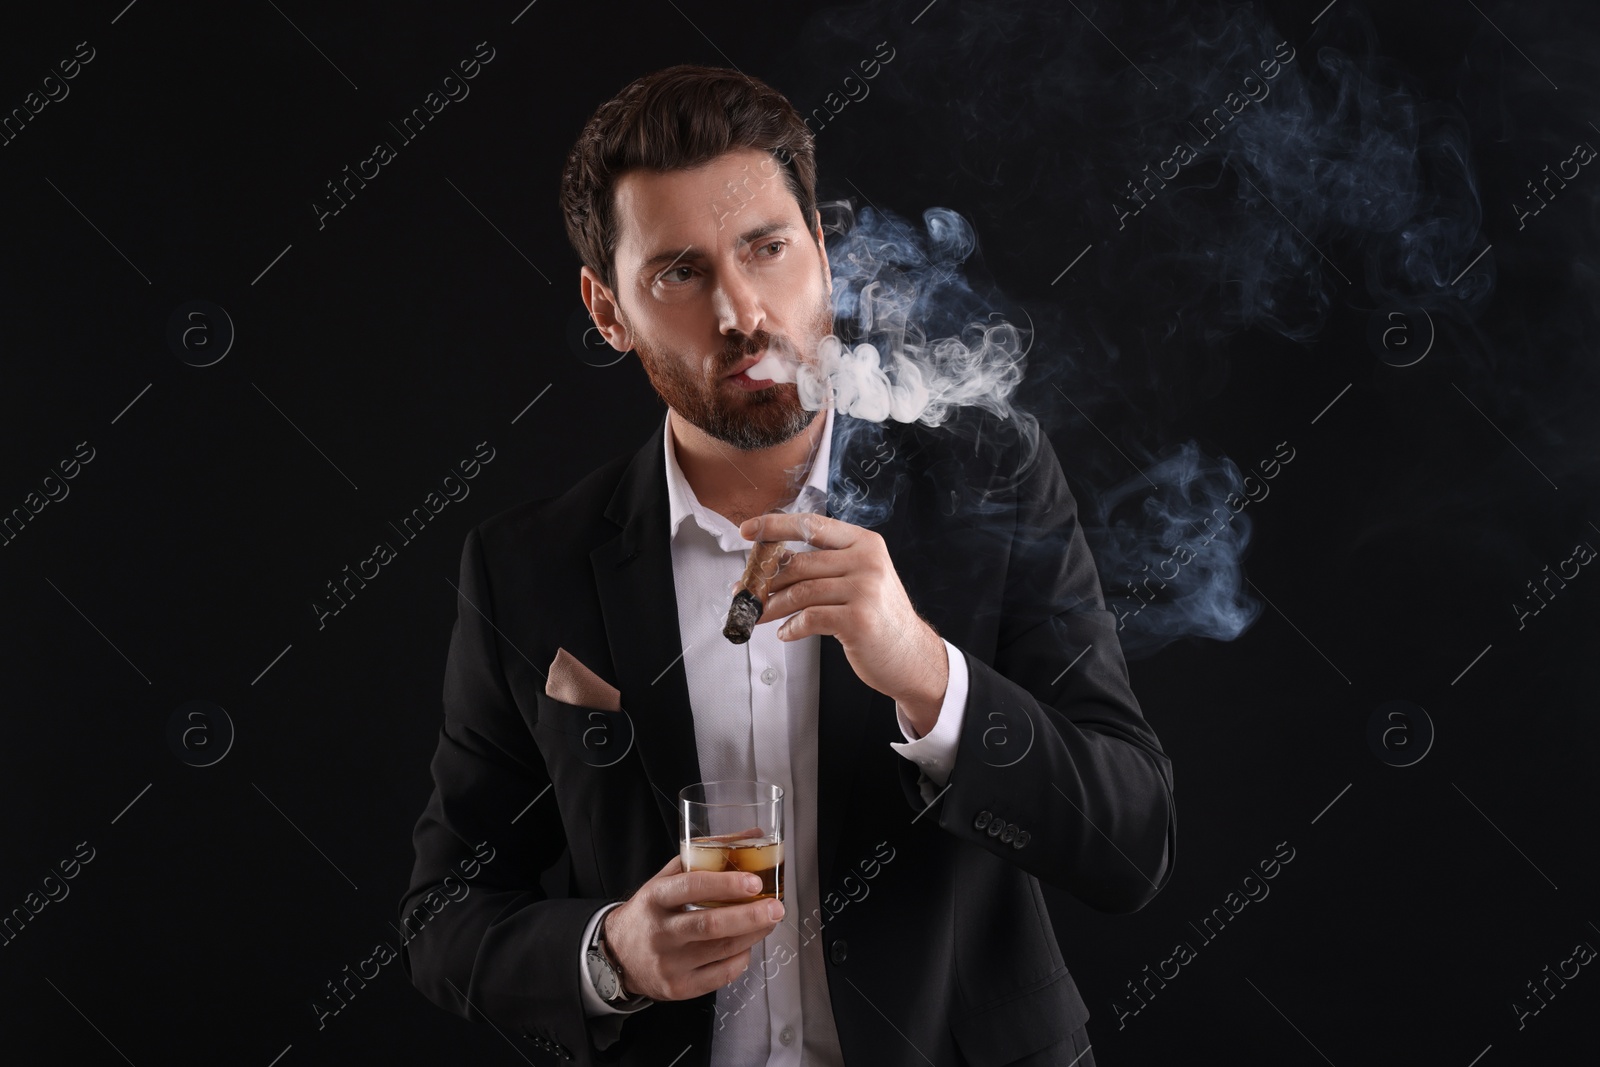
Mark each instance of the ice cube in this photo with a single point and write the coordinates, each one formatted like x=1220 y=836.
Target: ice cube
x=703 y=858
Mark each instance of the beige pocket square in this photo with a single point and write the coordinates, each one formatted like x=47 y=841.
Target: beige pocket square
x=571 y=682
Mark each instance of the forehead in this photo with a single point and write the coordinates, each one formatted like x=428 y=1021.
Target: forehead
x=705 y=206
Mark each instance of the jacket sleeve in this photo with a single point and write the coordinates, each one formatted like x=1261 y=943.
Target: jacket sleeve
x=1056 y=769
x=484 y=941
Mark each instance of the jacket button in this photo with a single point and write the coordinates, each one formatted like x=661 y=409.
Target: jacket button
x=1021 y=839
x=1008 y=833
x=982 y=820
x=996 y=826
x=839 y=950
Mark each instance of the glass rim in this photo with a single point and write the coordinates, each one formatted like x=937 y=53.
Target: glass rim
x=776 y=794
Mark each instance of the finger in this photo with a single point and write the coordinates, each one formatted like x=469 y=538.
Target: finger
x=811 y=563
x=809 y=593
x=700 y=953
x=715 y=975
x=712 y=925
x=692 y=887
x=817 y=619
x=842 y=565
x=820 y=531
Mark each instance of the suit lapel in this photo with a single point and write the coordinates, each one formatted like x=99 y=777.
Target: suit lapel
x=850 y=713
x=638 y=602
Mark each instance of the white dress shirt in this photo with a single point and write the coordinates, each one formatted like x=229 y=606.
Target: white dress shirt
x=755 y=717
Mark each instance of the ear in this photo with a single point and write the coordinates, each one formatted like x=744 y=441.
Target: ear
x=602 y=305
x=822 y=248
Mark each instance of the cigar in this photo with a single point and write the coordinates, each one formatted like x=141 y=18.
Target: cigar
x=750 y=595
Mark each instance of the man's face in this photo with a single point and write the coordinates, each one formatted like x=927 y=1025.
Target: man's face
x=715 y=265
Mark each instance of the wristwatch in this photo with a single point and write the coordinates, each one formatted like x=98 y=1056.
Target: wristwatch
x=606 y=973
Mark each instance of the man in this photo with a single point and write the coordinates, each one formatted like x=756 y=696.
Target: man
x=936 y=765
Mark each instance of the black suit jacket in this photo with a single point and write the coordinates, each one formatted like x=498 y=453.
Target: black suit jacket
x=939 y=943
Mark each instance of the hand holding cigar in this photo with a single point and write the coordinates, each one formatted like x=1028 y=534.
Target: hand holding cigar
x=844 y=584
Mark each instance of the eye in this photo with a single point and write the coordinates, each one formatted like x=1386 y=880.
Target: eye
x=668 y=275
x=772 y=244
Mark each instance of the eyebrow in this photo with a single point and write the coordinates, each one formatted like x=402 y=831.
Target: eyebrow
x=766 y=229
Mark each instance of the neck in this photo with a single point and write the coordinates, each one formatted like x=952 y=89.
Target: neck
x=738 y=484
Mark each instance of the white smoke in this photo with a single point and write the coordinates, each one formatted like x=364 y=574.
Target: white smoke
x=881 y=282
x=895 y=286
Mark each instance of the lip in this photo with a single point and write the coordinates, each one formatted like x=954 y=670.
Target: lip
x=743 y=381
x=744 y=365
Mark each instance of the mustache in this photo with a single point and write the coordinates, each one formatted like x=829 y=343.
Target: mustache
x=743 y=347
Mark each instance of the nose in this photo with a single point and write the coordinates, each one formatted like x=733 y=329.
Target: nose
x=738 y=303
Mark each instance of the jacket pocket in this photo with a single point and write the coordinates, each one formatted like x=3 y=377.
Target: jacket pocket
x=591 y=736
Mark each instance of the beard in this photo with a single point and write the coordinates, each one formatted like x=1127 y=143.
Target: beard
x=749 y=421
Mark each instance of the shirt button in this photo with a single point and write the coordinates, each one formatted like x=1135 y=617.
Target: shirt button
x=786 y=1035
x=769 y=675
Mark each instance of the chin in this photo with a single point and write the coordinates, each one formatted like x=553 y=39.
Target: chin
x=752 y=435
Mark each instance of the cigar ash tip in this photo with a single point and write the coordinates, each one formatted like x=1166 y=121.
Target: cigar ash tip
x=742 y=616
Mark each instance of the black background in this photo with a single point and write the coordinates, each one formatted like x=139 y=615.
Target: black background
x=427 y=315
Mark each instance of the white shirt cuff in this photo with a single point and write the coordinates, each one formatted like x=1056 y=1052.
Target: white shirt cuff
x=592 y=1004
x=935 y=753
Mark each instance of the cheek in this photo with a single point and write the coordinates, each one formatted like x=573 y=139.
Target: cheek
x=822 y=321
x=688 y=373
x=806 y=289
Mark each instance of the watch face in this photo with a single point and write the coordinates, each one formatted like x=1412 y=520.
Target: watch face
x=605 y=979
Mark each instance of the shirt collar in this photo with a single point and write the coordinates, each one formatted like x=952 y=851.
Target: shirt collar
x=684 y=504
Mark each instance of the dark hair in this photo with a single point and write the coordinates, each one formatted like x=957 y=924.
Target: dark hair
x=676 y=119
